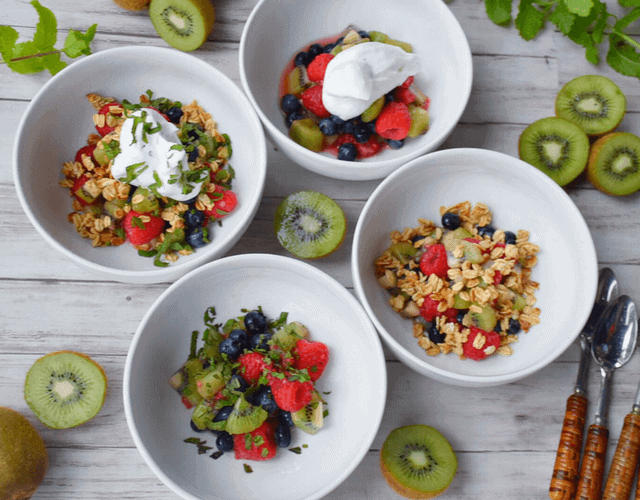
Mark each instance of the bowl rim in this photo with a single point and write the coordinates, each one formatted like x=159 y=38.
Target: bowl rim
x=265 y=260
x=143 y=51
x=420 y=365
x=466 y=72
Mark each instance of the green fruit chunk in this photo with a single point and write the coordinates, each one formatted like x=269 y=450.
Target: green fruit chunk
x=287 y=337
x=372 y=112
x=460 y=303
x=402 y=251
x=211 y=381
x=296 y=81
x=202 y=415
x=310 y=419
x=452 y=239
x=519 y=302
x=184 y=381
x=245 y=417
x=485 y=320
x=419 y=121
x=307 y=133
x=377 y=36
x=115 y=208
x=183 y=24
x=472 y=252
x=403 y=45
x=144 y=201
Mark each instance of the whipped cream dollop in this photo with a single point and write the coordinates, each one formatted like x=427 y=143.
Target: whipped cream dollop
x=360 y=74
x=152 y=155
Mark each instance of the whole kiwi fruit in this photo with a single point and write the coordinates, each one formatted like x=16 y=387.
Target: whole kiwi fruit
x=132 y=4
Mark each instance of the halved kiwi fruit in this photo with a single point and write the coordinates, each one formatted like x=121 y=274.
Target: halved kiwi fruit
x=593 y=102
x=556 y=146
x=417 y=461
x=183 y=24
x=614 y=163
x=65 y=389
x=309 y=224
x=310 y=419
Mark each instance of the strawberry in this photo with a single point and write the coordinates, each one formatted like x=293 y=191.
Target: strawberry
x=394 y=121
x=429 y=310
x=403 y=94
x=140 y=232
x=106 y=111
x=365 y=150
x=313 y=356
x=291 y=395
x=407 y=83
x=497 y=278
x=434 y=261
x=492 y=339
x=312 y=100
x=259 y=444
x=252 y=364
x=225 y=201
x=85 y=150
x=317 y=68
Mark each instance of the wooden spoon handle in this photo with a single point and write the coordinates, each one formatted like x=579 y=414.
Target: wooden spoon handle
x=592 y=469
x=565 y=470
x=625 y=460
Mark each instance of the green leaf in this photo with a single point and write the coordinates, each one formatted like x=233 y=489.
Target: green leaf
x=529 y=20
x=77 y=43
x=580 y=7
x=8 y=38
x=592 y=55
x=600 y=26
x=46 y=33
x=629 y=3
x=628 y=19
x=622 y=57
x=53 y=63
x=562 y=18
x=26 y=66
x=499 y=11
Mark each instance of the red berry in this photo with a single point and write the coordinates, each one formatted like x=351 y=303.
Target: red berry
x=140 y=232
x=259 y=444
x=187 y=402
x=364 y=150
x=291 y=395
x=429 y=310
x=313 y=356
x=497 y=278
x=106 y=110
x=394 y=121
x=252 y=364
x=312 y=100
x=225 y=201
x=426 y=104
x=317 y=68
x=492 y=339
x=403 y=94
x=84 y=198
x=407 y=83
x=434 y=261
x=85 y=150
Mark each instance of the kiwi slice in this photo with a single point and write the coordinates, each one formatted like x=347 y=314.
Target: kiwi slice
x=309 y=224
x=287 y=337
x=183 y=24
x=65 y=389
x=556 y=146
x=593 y=102
x=245 y=417
x=307 y=133
x=310 y=419
x=417 y=461
x=485 y=320
x=614 y=164
x=452 y=239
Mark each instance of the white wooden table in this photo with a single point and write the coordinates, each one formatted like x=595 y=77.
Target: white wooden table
x=505 y=437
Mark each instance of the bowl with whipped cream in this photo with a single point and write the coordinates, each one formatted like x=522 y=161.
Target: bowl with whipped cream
x=353 y=90
x=145 y=177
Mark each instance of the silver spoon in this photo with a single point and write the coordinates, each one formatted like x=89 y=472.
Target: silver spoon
x=565 y=470
x=614 y=342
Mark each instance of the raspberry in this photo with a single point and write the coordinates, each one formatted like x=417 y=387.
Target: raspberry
x=291 y=395
x=407 y=83
x=106 y=111
x=434 y=261
x=225 y=201
x=313 y=356
x=252 y=364
x=259 y=444
x=394 y=121
x=312 y=100
x=364 y=149
x=497 y=278
x=140 y=232
x=318 y=67
x=429 y=310
x=492 y=339
x=403 y=94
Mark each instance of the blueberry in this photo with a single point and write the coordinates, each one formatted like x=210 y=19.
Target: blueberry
x=230 y=347
x=289 y=103
x=328 y=126
x=329 y=47
x=509 y=238
x=174 y=114
x=350 y=125
x=223 y=414
x=194 y=217
x=371 y=126
x=302 y=59
x=265 y=399
x=486 y=231
x=285 y=417
x=282 y=435
x=388 y=97
x=395 y=144
x=260 y=341
x=241 y=337
x=338 y=121
x=194 y=427
x=224 y=442
x=514 y=326
x=255 y=322
x=195 y=237
x=237 y=383
x=194 y=153
x=450 y=221
x=193 y=133
x=314 y=50
x=361 y=133
x=461 y=314
x=434 y=334
x=291 y=117
x=363 y=33
x=498 y=328
x=347 y=151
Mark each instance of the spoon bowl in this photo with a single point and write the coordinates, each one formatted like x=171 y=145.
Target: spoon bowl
x=616 y=334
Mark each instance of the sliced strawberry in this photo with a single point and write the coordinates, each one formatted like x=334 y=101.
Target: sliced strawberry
x=252 y=365
x=408 y=82
x=225 y=202
x=312 y=100
x=404 y=95
x=365 y=150
x=317 y=68
x=394 y=121
x=85 y=150
x=291 y=395
x=485 y=348
x=106 y=111
x=313 y=356
x=259 y=444
x=434 y=261
x=140 y=232
x=497 y=278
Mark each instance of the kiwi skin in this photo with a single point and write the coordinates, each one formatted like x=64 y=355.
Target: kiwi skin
x=132 y=4
x=205 y=11
x=592 y=165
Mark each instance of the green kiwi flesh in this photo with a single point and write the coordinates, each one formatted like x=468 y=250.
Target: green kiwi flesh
x=593 y=102
x=245 y=417
x=417 y=461
x=557 y=147
x=310 y=419
x=614 y=164
x=65 y=389
x=183 y=24
x=309 y=224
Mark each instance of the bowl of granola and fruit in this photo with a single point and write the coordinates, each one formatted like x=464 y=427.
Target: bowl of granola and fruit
x=137 y=176
x=475 y=270
x=350 y=93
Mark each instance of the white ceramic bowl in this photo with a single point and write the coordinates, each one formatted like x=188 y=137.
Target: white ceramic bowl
x=355 y=380
x=520 y=197
x=58 y=120
x=276 y=30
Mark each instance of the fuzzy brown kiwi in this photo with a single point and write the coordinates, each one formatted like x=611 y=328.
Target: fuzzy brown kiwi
x=183 y=24
x=614 y=164
x=132 y=4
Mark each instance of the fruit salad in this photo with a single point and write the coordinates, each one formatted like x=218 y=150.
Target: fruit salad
x=155 y=174
x=466 y=285
x=354 y=95
x=251 y=382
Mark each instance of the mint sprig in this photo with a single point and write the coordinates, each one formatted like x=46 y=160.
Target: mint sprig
x=587 y=23
x=40 y=54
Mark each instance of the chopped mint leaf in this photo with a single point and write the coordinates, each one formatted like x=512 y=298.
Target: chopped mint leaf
x=622 y=57
x=194 y=344
x=77 y=43
x=247 y=469
x=297 y=450
x=579 y=7
x=200 y=444
x=147 y=253
x=137 y=222
x=529 y=20
x=499 y=11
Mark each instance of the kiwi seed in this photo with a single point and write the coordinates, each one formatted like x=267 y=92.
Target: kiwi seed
x=556 y=146
x=310 y=419
x=183 y=24
x=614 y=163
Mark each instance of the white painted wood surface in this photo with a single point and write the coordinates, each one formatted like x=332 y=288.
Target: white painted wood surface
x=505 y=437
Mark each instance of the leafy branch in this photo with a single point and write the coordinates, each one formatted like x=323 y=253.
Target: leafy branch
x=585 y=22
x=40 y=53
